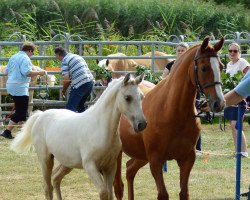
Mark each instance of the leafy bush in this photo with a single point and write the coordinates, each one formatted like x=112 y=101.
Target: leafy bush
x=100 y=73
x=121 y=20
x=228 y=82
x=150 y=75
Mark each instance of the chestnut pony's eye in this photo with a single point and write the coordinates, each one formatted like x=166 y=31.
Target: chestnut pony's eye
x=204 y=69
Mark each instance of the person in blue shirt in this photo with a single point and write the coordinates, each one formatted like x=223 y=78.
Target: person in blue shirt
x=239 y=93
x=19 y=72
x=77 y=75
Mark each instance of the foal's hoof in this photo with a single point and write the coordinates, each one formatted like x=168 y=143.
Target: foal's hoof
x=104 y=195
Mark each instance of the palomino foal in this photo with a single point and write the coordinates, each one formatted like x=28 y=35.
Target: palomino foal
x=86 y=140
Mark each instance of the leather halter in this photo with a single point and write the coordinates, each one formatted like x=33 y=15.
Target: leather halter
x=200 y=87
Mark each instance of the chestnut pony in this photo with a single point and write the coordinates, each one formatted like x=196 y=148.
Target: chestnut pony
x=173 y=128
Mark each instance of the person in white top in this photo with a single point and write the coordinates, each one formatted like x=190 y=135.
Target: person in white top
x=237 y=64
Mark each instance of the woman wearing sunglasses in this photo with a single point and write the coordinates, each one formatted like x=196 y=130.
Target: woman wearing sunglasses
x=236 y=64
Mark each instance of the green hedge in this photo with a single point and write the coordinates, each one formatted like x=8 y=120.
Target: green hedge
x=124 y=20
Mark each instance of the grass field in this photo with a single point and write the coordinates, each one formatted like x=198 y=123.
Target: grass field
x=212 y=178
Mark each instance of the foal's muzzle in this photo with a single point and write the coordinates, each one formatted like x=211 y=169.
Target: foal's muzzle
x=140 y=126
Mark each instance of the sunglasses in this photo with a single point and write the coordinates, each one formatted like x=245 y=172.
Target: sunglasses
x=234 y=50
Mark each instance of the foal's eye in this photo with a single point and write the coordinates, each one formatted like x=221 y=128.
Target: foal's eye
x=128 y=98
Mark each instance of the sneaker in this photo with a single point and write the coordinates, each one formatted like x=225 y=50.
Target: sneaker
x=245 y=194
x=7 y=134
x=198 y=153
x=244 y=154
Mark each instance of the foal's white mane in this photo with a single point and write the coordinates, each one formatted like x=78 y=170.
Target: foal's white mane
x=109 y=92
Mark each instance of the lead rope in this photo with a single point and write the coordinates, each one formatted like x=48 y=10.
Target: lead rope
x=209 y=116
x=44 y=94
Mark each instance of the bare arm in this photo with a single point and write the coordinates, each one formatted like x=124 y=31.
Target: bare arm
x=246 y=69
x=232 y=98
x=36 y=73
x=66 y=83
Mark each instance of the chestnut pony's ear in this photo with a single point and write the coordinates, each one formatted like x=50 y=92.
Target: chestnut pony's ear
x=218 y=45
x=204 y=44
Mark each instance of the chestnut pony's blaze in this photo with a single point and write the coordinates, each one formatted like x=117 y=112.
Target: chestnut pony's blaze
x=173 y=129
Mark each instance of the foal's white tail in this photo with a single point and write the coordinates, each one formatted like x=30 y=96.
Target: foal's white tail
x=23 y=141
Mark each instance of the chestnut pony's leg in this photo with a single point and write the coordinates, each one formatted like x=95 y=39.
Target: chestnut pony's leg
x=133 y=166
x=185 y=169
x=157 y=172
x=118 y=184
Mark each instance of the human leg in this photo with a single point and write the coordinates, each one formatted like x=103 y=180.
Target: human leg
x=74 y=99
x=7 y=132
x=244 y=152
x=78 y=97
x=198 y=145
x=243 y=139
x=21 y=106
x=86 y=91
x=234 y=132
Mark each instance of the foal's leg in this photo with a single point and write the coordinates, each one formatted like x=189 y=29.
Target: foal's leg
x=109 y=176
x=185 y=165
x=96 y=178
x=133 y=166
x=118 y=184
x=47 y=163
x=157 y=172
x=57 y=176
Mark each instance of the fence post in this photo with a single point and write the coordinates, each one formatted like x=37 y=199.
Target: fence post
x=238 y=152
x=237 y=39
x=67 y=38
x=153 y=57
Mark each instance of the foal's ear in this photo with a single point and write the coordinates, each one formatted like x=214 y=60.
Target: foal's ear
x=126 y=78
x=218 y=45
x=139 y=78
x=204 y=44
